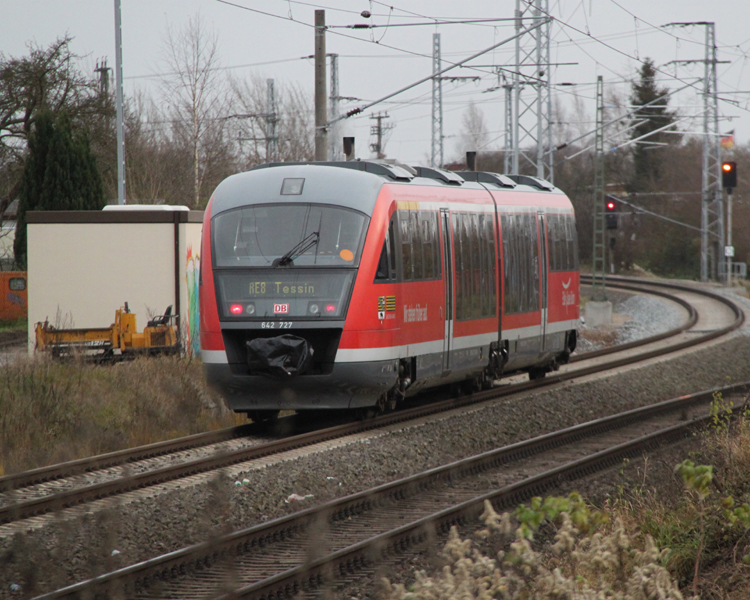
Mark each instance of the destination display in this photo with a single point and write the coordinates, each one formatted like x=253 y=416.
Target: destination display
x=260 y=294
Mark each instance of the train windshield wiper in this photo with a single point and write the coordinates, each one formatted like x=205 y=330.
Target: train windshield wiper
x=304 y=245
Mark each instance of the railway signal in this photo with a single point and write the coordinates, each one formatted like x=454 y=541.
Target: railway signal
x=729 y=174
x=611 y=214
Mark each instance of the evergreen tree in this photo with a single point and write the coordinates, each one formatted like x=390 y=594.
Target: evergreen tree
x=647 y=157
x=60 y=173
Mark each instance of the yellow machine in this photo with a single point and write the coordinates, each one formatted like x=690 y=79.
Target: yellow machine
x=119 y=340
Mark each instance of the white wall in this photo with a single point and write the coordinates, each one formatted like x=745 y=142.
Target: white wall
x=80 y=273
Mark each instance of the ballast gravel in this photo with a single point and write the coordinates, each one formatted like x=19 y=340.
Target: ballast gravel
x=73 y=546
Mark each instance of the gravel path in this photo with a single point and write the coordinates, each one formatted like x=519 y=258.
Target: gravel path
x=73 y=546
x=635 y=316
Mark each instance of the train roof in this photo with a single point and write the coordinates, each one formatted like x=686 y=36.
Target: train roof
x=334 y=182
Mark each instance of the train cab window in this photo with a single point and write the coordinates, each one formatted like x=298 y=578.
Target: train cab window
x=521 y=262
x=311 y=236
x=474 y=256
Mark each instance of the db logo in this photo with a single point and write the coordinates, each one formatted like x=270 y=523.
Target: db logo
x=280 y=309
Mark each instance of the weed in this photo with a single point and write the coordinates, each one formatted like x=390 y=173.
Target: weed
x=53 y=411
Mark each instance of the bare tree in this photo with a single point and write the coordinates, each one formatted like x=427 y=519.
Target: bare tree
x=45 y=79
x=474 y=134
x=195 y=91
x=294 y=121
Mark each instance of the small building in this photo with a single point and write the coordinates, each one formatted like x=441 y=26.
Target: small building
x=83 y=265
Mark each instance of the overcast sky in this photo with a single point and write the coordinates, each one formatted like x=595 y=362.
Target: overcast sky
x=601 y=37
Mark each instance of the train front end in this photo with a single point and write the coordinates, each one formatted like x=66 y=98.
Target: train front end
x=282 y=247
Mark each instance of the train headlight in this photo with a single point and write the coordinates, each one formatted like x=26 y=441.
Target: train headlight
x=250 y=309
x=314 y=309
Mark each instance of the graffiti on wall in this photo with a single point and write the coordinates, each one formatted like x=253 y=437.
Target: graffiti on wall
x=192 y=273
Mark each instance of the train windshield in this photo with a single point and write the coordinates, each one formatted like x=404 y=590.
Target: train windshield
x=289 y=235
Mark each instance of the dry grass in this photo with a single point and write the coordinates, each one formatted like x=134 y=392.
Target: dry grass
x=56 y=411
x=648 y=545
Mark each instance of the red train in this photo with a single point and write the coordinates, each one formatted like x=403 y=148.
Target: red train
x=353 y=285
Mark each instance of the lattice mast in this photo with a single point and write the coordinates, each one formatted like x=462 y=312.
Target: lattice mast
x=712 y=213
x=598 y=270
x=532 y=102
x=436 y=156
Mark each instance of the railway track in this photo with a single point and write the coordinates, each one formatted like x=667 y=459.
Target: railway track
x=328 y=545
x=67 y=485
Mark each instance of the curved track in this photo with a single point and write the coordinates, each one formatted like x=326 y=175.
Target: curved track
x=25 y=500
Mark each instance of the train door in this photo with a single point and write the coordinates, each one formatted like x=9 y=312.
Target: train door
x=448 y=281
x=543 y=278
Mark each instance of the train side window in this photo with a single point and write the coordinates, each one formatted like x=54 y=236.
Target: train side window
x=566 y=250
x=533 y=241
x=406 y=256
x=572 y=242
x=553 y=241
x=392 y=246
x=386 y=270
x=475 y=305
x=458 y=264
x=436 y=253
x=428 y=243
x=487 y=232
x=382 y=272
x=474 y=252
x=417 y=246
x=521 y=256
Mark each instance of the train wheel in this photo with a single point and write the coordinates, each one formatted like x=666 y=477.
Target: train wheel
x=535 y=374
x=259 y=416
x=365 y=414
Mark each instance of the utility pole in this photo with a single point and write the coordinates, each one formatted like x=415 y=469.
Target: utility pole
x=272 y=138
x=334 y=139
x=378 y=130
x=103 y=70
x=712 y=206
x=436 y=157
x=532 y=115
x=599 y=283
x=321 y=138
x=118 y=84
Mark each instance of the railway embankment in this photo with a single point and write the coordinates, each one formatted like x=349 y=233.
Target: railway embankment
x=75 y=544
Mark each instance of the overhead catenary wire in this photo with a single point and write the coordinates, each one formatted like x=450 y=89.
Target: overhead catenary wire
x=438 y=74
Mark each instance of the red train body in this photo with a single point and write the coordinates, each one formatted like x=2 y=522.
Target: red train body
x=352 y=285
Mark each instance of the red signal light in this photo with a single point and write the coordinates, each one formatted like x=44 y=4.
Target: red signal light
x=610 y=205
x=236 y=309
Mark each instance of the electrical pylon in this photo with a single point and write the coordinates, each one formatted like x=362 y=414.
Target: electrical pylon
x=599 y=266
x=532 y=102
x=436 y=156
x=712 y=206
